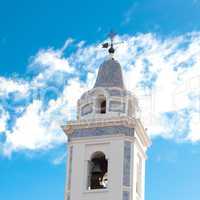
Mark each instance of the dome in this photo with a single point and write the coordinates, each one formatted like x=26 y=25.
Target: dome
x=110 y=75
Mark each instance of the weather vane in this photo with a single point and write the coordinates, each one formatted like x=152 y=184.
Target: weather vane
x=110 y=45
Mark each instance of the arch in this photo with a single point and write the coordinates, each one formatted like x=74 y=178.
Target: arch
x=97 y=154
x=99 y=91
x=97 y=171
x=101 y=104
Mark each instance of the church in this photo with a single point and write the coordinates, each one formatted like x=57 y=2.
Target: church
x=107 y=143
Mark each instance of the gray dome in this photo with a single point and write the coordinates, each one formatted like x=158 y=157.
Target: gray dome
x=110 y=75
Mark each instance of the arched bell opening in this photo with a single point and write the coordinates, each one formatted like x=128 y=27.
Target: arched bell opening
x=101 y=104
x=97 y=171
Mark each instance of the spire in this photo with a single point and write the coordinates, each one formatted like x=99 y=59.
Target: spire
x=110 y=72
x=110 y=75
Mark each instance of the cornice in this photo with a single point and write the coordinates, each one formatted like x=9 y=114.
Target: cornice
x=108 y=122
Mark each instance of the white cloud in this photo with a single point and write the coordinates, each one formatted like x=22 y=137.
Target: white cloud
x=168 y=67
x=50 y=64
x=164 y=74
x=8 y=85
x=194 y=134
x=58 y=160
x=52 y=60
x=4 y=116
x=129 y=14
x=35 y=129
x=39 y=127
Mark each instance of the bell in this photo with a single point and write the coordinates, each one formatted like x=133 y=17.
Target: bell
x=96 y=169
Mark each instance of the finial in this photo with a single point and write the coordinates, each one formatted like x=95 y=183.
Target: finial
x=111 y=49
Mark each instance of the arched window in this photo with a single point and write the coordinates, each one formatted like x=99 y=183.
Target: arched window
x=101 y=104
x=97 y=171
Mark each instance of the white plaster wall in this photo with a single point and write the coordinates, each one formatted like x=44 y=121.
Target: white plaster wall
x=134 y=171
x=82 y=150
x=138 y=150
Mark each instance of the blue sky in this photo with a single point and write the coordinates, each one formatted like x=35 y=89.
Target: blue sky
x=49 y=55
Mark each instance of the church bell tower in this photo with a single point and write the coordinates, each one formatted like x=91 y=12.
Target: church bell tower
x=107 y=143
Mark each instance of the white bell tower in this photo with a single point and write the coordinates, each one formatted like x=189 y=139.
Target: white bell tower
x=107 y=143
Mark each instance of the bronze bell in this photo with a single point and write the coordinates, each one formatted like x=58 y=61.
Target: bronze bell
x=97 y=169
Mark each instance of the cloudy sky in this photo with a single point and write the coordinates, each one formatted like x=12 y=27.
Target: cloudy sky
x=49 y=55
